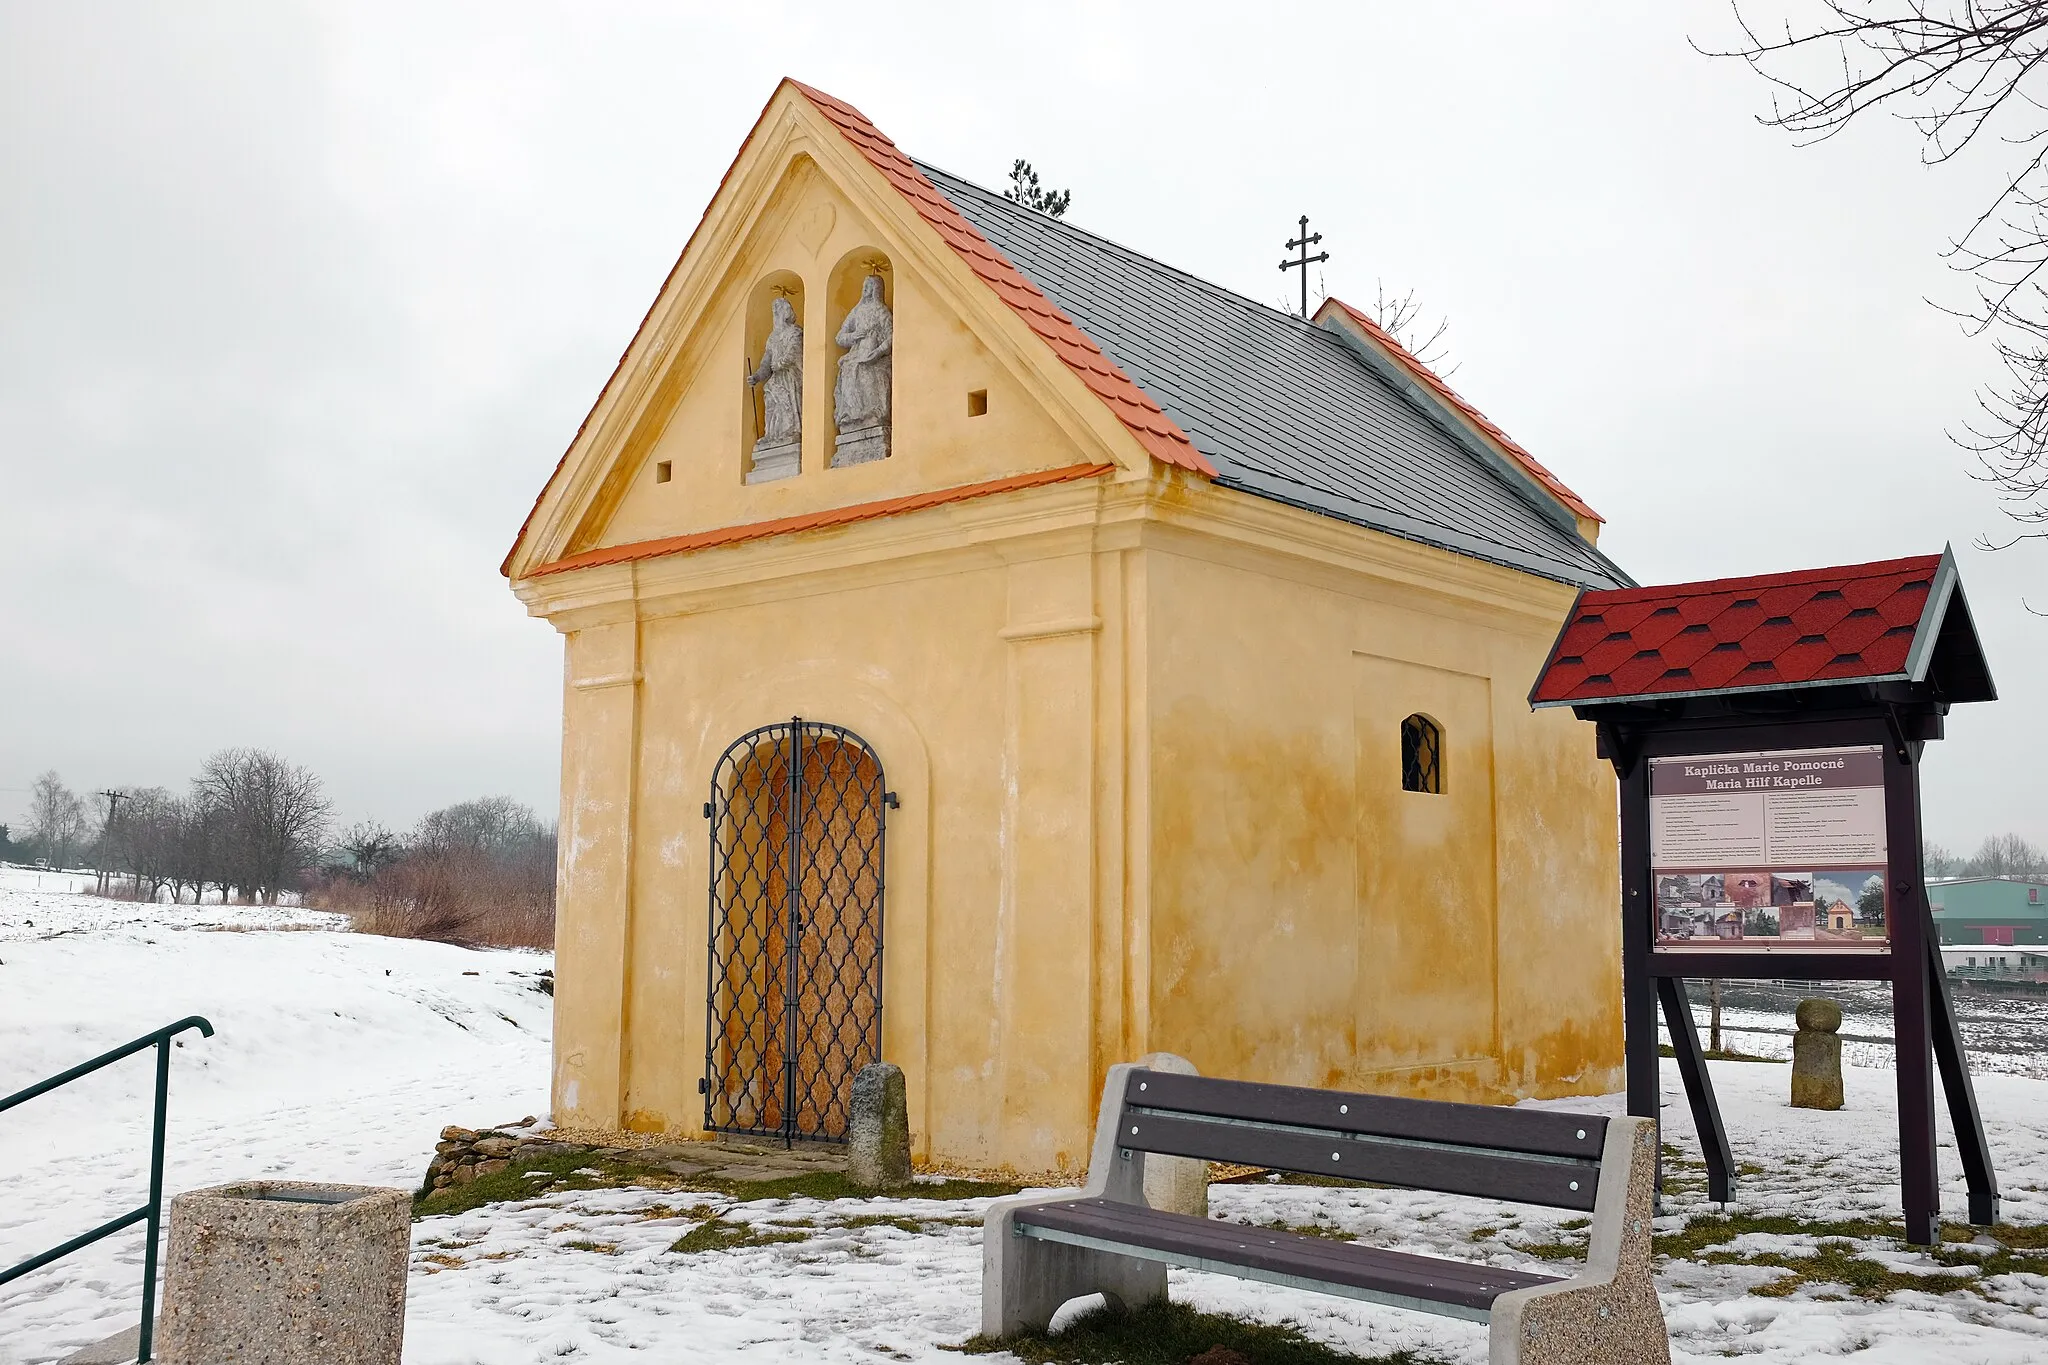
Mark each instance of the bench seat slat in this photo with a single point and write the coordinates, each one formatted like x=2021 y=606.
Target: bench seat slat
x=1215 y=1244
x=1485 y=1175
x=1537 y=1131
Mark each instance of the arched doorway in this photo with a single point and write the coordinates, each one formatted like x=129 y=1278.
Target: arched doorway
x=797 y=813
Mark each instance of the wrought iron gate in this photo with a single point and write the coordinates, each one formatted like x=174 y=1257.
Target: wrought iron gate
x=794 y=1005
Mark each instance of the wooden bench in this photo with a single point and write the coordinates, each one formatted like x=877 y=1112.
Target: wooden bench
x=1040 y=1251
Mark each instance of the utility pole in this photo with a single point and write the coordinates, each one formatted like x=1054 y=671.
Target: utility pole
x=114 y=800
x=1304 y=261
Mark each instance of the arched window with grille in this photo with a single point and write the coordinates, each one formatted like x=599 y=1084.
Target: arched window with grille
x=1422 y=755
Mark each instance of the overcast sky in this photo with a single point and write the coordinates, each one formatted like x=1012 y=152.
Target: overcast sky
x=299 y=304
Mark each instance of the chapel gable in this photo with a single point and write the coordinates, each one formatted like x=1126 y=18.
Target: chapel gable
x=819 y=346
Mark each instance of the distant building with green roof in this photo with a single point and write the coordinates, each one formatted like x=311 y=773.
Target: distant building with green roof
x=1996 y=910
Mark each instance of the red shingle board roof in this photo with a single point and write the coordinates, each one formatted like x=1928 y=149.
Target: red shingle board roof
x=1846 y=624
x=1155 y=431
x=1479 y=419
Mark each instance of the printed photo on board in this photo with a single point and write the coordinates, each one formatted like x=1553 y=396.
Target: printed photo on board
x=1769 y=850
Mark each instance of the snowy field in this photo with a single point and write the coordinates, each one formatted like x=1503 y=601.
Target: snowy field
x=339 y=1057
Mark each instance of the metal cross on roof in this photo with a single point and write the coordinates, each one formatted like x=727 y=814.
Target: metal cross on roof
x=1304 y=242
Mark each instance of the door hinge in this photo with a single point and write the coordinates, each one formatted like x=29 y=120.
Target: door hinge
x=889 y=800
x=707 y=810
x=703 y=1085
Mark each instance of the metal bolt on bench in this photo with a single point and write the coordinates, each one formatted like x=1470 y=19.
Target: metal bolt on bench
x=1039 y=1251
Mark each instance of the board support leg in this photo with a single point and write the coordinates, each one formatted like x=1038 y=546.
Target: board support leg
x=1962 y=1095
x=1699 y=1088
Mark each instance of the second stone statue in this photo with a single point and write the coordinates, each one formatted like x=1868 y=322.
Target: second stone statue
x=860 y=399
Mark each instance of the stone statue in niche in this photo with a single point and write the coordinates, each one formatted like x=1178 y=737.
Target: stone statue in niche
x=778 y=451
x=860 y=400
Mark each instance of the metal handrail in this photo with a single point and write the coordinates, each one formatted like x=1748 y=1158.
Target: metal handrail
x=152 y=1212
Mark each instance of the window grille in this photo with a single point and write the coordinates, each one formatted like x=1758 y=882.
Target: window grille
x=1422 y=747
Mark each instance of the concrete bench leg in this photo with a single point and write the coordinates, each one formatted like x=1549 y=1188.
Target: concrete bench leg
x=1024 y=1280
x=1609 y=1313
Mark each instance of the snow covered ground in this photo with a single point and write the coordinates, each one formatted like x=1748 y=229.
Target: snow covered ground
x=340 y=1056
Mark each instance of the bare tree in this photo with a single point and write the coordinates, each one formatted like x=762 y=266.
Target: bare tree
x=58 y=823
x=2007 y=855
x=273 y=816
x=1960 y=72
x=1401 y=317
x=369 y=848
x=1025 y=189
x=478 y=871
x=145 y=839
x=1938 y=861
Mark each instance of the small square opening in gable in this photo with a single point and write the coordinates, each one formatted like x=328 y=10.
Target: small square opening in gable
x=977 y=403
x=664 y=470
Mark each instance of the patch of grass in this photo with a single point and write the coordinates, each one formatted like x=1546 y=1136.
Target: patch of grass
x=1715 y=1229
x=1552 y=1251
x=581 y=1244
x=563 y=1171
x=1835 y=1261
x=655 y=1213
x=1166 y=1333
x=907 y=1222
x=719 y=1235
x=1322 y=1230
x=531 y=1178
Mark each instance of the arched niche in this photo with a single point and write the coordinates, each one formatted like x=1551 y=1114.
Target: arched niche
x=762 y=458
x=843 y=290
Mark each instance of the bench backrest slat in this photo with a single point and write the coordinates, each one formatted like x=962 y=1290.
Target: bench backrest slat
x=1485 y=1175
x=1536 y=1131
x=1526 y=1156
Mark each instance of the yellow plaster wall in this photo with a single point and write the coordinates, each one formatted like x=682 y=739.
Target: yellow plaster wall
x=1150 y=800
x=973 y=679
x=808 y=229
x=1310 y=922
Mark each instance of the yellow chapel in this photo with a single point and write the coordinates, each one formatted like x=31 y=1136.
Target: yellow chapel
x=995 y=652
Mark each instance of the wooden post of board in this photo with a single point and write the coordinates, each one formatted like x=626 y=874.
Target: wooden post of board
x=1639 y=993
x=1919 y=1179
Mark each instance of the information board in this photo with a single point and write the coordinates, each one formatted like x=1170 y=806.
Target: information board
x=1779 y=851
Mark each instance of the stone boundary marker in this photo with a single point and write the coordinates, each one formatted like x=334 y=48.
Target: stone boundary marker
x=1817 y=1056
x=286 y=1273
x=878 y=1129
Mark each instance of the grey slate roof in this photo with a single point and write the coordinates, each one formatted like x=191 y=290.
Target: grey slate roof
x=1283 y=408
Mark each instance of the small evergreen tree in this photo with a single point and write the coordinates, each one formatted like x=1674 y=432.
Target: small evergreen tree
x=1025 y=189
